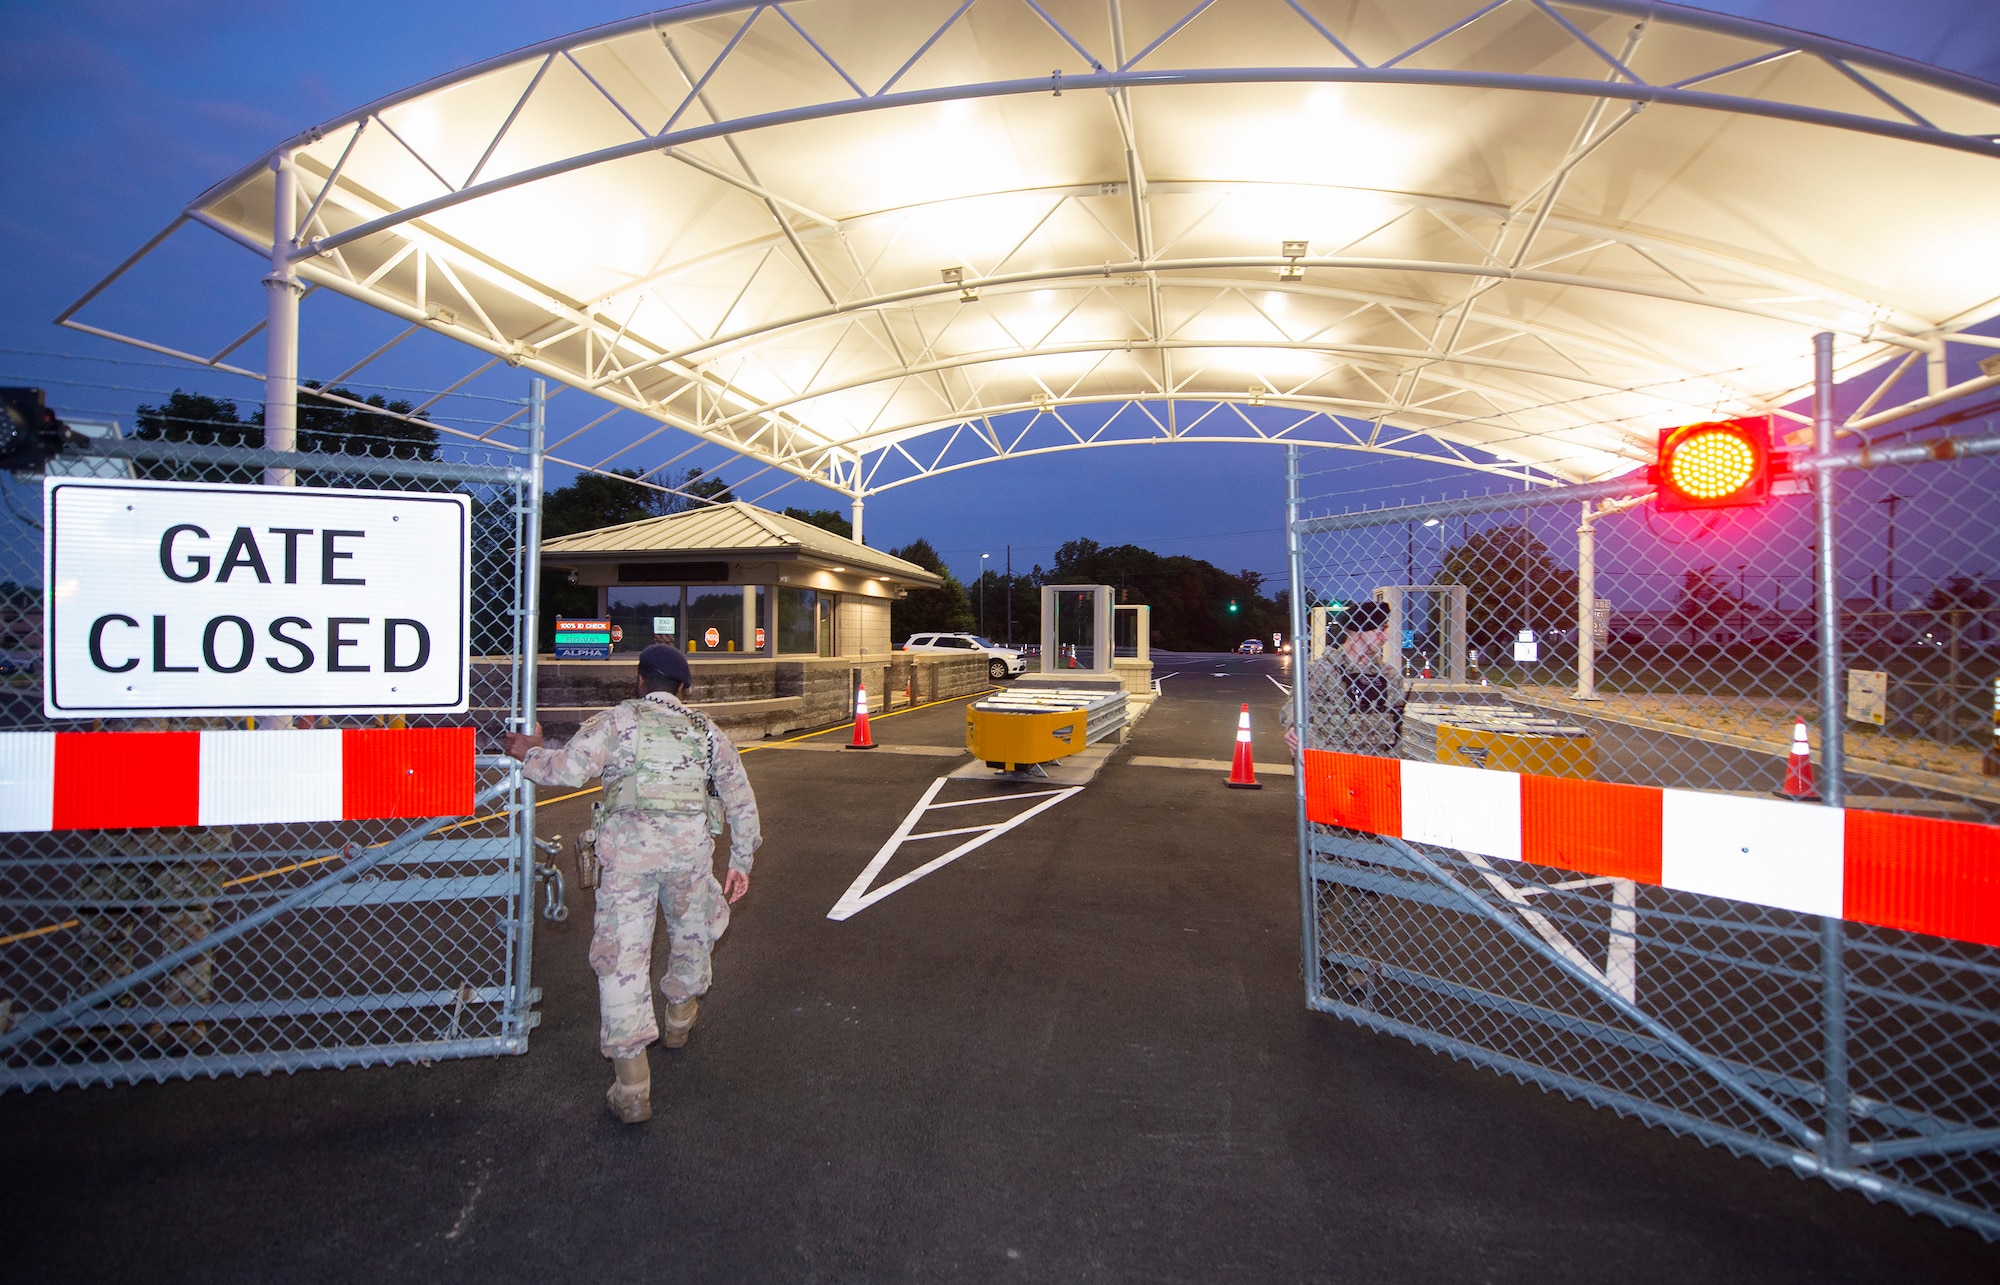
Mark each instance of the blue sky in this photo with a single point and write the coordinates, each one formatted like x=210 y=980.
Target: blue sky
x=116 y=113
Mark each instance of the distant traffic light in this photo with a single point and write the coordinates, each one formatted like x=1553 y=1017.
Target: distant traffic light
x=29 y=434
x=1720 y=465
x=1232 y=608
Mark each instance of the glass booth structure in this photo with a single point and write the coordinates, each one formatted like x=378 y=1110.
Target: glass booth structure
x=733 y=581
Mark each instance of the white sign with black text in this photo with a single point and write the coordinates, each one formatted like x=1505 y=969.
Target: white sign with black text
x=176 y=598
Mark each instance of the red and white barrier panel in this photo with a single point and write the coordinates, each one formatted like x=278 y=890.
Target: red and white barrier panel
x=1926 y=876
x=115 y=780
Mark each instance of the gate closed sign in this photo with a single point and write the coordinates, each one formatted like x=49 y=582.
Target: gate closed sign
x=174 y=598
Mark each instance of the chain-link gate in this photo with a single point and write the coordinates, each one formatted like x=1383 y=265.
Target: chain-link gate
x=130 y=955
x=1550 y=821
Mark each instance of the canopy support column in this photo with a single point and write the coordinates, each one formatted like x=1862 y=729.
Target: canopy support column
x=855 y=508
x=282 y=290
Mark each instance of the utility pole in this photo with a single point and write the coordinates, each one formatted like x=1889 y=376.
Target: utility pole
x=1010 y=595
x=982 y=593
x=1892 y=500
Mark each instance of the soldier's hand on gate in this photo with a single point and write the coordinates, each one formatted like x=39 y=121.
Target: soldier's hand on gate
x=517 y=744
x=1292 y=741
x=734 y=885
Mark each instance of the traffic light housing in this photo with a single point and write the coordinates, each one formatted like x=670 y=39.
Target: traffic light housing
x=29 y=433
x=1723 y=464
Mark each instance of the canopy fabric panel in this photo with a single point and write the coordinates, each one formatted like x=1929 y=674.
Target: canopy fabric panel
x=816 y=231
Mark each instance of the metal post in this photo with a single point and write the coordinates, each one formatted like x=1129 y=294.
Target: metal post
x=282 y=292
x=1301 y=668
x=525 y=647
x=1586 y=607
x=1832 y=785
x=854 y=508
x=1010 y=595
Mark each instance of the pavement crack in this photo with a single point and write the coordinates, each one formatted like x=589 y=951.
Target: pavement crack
x=472 y=1198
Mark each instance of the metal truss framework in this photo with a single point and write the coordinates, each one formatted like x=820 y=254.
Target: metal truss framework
x=1097 y=271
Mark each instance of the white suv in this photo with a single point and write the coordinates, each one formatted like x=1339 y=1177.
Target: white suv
x=1001 y=662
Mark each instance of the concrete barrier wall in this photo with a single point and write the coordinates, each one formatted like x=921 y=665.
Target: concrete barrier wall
x=754 y=697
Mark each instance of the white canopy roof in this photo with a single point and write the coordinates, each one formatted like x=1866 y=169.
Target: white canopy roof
x=866 y=242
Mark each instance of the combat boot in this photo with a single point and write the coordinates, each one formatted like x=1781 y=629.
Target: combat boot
x=630 y=1096
x=680 y=1021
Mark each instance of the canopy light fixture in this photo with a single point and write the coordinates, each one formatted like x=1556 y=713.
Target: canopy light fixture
x=956 y=277
x=1293 y=271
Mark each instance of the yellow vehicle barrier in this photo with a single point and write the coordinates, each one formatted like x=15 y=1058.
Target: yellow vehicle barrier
x=1020 y=730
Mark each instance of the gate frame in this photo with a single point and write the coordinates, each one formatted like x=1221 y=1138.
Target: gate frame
x=518 y=997
x=1829 y=1153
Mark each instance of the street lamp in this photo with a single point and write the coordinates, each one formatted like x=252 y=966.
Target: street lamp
x=982 y=593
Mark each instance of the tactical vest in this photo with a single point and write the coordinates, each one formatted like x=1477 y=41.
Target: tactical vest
x=670 y=763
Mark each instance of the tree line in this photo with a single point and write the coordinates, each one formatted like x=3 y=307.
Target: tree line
x=1197 y=606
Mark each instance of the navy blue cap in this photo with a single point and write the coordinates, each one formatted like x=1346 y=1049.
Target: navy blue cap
x=664 y=662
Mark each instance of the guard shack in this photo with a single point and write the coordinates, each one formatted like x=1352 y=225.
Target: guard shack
x=780 y=619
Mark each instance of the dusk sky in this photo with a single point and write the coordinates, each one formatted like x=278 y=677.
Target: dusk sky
x=118 y=113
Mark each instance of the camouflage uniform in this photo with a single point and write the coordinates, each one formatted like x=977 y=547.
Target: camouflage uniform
x=1352 y=708
x=655 y=859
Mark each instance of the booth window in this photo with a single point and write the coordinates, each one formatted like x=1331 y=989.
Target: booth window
x=805 y=622
x=648 y=614
x=698 y=619
x=723 y=618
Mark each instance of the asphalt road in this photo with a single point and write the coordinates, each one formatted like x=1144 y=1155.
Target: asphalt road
x=1079 y=1053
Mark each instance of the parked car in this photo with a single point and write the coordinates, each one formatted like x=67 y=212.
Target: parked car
x=1001 y=662
x=1251 y=647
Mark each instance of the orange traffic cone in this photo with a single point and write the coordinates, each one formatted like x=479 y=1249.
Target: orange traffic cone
x=861 y=741
x=1798 y=768
x=1072 y=656
x=1243 y=772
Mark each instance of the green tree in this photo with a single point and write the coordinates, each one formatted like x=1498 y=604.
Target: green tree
x=385 y=433
x=325 y=427
x=596 y=500
x=944 y=608
x=700 y=492
x=1705 y=598
x=1190 y=597
x=1960 y=593
x=825 y=520
x=199 y=419
x=1512 y=582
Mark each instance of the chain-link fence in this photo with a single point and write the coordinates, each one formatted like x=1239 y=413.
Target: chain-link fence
x=1550 y=811
x=150 y=954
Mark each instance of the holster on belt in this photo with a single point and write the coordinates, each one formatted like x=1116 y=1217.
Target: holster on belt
x=588 y=870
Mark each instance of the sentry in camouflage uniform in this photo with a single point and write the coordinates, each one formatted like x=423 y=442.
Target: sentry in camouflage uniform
x=1354 y=698
x=667 y=771
x=1354 y=704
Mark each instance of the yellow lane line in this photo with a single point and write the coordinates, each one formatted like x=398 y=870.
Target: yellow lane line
x=43 y=931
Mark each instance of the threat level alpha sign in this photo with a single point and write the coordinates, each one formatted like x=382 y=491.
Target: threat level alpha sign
x=174 y=598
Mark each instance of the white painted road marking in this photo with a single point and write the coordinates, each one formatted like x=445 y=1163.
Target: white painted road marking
x=859 y=896
x=1204 y=765
x=1280 y=686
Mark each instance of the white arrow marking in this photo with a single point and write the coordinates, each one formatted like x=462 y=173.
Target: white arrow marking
x=859 y=896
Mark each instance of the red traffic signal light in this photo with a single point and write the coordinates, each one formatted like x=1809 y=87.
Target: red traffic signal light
x=29 y=432
x=1720 y=465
